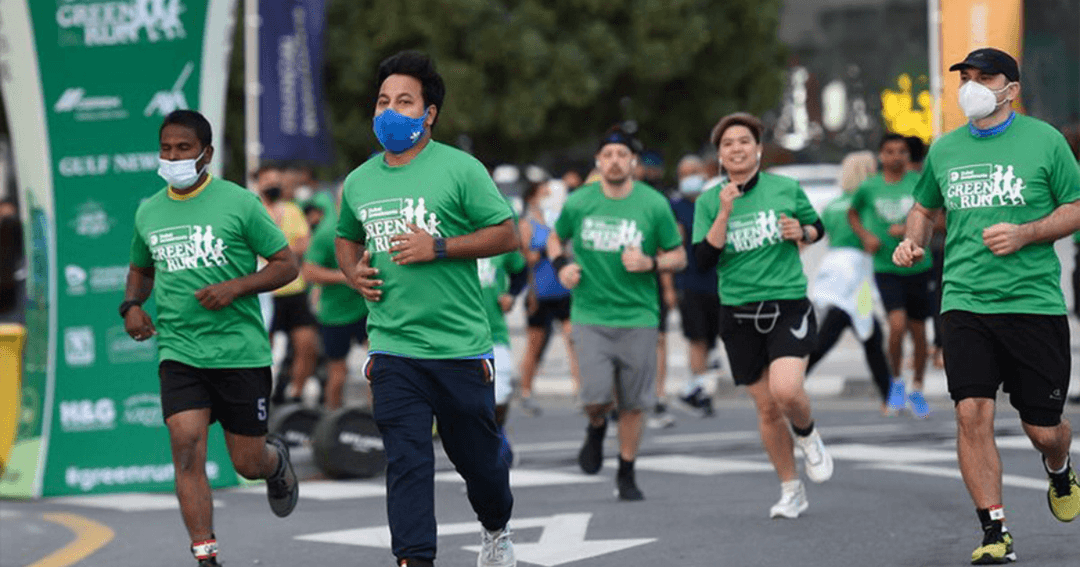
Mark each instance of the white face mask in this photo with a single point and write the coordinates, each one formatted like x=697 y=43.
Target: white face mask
x=978 y=101
x=692 y=184
x=181 y=174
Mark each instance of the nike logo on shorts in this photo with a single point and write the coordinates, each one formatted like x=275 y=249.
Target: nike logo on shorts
x=800 y=331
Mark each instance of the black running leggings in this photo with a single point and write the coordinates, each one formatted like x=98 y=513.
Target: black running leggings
x=836 y=320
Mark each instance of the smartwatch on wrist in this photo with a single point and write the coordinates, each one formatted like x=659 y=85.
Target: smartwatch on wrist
x=128 y=305
x=440 y=247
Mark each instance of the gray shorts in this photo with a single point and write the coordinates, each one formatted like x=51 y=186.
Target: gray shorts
x=617 y=362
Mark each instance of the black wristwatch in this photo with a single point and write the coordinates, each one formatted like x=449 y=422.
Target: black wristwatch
x=128 y=305
x=440 y=247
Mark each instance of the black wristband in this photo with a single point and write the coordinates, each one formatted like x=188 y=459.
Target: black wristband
x=440 y=247
x=655 y=263
x=128 y=305
x=559 y=263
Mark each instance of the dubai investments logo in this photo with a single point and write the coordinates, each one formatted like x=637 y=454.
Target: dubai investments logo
x=387 y=218
x=187 y=247
x=985 y=185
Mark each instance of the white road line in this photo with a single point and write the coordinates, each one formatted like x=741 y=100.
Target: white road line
x=1007 y=480
x=888 y=454
x=131 y=502
x=330 y=489
x=520 y=478
x=689 y=464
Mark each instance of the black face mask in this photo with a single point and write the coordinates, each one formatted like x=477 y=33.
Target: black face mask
x=272 y=194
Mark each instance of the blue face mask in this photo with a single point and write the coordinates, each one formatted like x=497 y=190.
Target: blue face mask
x=397 y=132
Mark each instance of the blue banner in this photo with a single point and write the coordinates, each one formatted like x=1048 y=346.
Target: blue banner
x=292 y=117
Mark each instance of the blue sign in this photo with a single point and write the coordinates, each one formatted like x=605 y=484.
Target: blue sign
x=292 y=118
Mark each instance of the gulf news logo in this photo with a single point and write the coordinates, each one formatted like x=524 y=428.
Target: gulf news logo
x=91 y=24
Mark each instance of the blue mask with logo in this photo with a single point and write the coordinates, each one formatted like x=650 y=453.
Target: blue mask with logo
x=397 y=132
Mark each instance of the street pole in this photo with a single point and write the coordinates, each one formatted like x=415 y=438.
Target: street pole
x=252 y=91
x=934 y=33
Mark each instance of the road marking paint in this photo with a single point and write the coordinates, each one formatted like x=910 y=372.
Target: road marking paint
x=1006 y=480
x=132 y=502
x=520 y=478
x=689 y=464
x=329 y=489
x=90 y=536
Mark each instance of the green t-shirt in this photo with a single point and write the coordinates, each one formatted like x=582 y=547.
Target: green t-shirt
x=600 y=229
x=837 y=228
x=432 y=310
x=1017 y=176
x=494 y=281
x=339 y=304
x=881 y=205
x=756 y=264
x=210 y=237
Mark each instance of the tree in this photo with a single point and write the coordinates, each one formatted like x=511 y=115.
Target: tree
x=528 y=77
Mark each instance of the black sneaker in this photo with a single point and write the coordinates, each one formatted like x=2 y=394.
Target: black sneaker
x=209 y=562
x=591 y=456
x=626 y=489
x=282 y=490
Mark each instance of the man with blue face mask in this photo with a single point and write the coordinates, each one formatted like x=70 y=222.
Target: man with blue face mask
x=1011 y=187
x=195 y=247
x=699 y=300
x=414 y=220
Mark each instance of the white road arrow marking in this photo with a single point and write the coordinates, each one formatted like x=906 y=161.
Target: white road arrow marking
x=562 y=540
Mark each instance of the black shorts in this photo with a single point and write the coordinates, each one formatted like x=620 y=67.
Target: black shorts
x=548 y=311
x=1028 y=354
x=909 y=293
x=237 y=397
x=291 y=311
x=337 y=339
x=756 y=334
x=700 y=316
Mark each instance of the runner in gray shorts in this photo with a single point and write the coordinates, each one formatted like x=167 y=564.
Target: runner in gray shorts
x=623 y=233
x=617 y=361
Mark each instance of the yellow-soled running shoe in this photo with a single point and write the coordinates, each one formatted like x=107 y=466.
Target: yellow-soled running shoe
x=996 y=549
x=1064 y=495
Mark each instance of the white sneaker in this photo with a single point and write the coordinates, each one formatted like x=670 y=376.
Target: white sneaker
x=496 y=550
x=792 y=501
x=819 y=464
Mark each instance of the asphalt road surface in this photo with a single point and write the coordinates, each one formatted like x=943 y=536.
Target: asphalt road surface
x=895 y=499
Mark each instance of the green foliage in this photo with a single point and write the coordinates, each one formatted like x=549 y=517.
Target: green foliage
x=529 y=77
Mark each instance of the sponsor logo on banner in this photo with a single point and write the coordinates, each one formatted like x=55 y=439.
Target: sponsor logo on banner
x=609 y=234
x=89 y=479
x=754 y=230
x=76 y=279
x=79 y=346
x=187 y=247
x=90 y=108
x=299 y=111
x=92 y=220
x=102 y=164
x=88 y=415
x=985 y=185
x=384 y=219
x=122 y=349
x=102 y=279
x=167 y=101
x=143 y=409
x=119 y=22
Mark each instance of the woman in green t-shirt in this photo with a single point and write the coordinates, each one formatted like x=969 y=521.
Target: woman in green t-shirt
x=750 y=228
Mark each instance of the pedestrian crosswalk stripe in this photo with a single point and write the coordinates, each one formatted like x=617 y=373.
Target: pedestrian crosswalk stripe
x=521 y=478
x=130 y=502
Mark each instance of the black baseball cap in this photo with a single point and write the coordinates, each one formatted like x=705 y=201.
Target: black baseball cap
x=990 y=60
x=616 y=135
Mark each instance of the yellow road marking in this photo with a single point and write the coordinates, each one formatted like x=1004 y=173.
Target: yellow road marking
x=90 y=536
